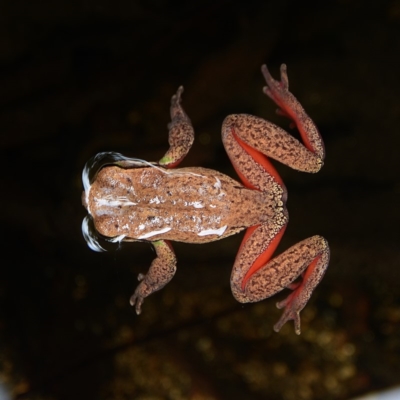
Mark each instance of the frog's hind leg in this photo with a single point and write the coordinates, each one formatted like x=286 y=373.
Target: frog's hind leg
x=255 y=276
x=161 y=271
x=181 y=133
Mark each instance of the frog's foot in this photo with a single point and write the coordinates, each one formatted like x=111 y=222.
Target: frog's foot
x=289 y=106
x=292 y=311
x=176 y=108
x=278 y=91
x=137 y=298
x=161 y=271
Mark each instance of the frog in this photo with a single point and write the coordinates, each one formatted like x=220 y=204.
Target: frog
x=132 y=200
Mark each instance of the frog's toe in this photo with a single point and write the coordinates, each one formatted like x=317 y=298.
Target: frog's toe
x=136 y=301
x=179 y=92
x=292 y=311
x=137 y=298
x=176 y=98
x=287 y=315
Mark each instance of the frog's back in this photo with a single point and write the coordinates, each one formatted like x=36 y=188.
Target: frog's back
x=188 y=204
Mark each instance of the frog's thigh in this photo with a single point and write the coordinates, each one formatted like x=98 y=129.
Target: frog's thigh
x=270 y=140
x=257 y=248
x=161 y=271
x=253 y=168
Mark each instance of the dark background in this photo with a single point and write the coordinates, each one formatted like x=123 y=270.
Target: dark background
x=79 y=77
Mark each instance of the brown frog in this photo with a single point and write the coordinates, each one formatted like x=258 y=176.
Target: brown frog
x=135 y=200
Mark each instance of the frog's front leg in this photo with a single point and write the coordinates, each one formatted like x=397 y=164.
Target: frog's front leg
x=256 y=277
x=161 y=271
x=181 y=133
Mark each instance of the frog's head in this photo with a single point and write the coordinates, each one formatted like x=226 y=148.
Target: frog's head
x=90 y=175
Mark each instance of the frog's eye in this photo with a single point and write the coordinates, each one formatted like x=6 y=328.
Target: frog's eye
x=100 y=160
x=90 y=234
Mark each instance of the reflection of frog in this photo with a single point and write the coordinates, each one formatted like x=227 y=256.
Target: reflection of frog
x=152 y=201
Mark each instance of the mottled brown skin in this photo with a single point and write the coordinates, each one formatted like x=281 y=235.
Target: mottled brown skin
x=186 y=200
x=198 y=205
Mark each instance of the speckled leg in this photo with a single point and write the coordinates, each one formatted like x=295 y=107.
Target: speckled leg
x=267 y=138
x=161 y=271
x=181 y=133
x=307 y=259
